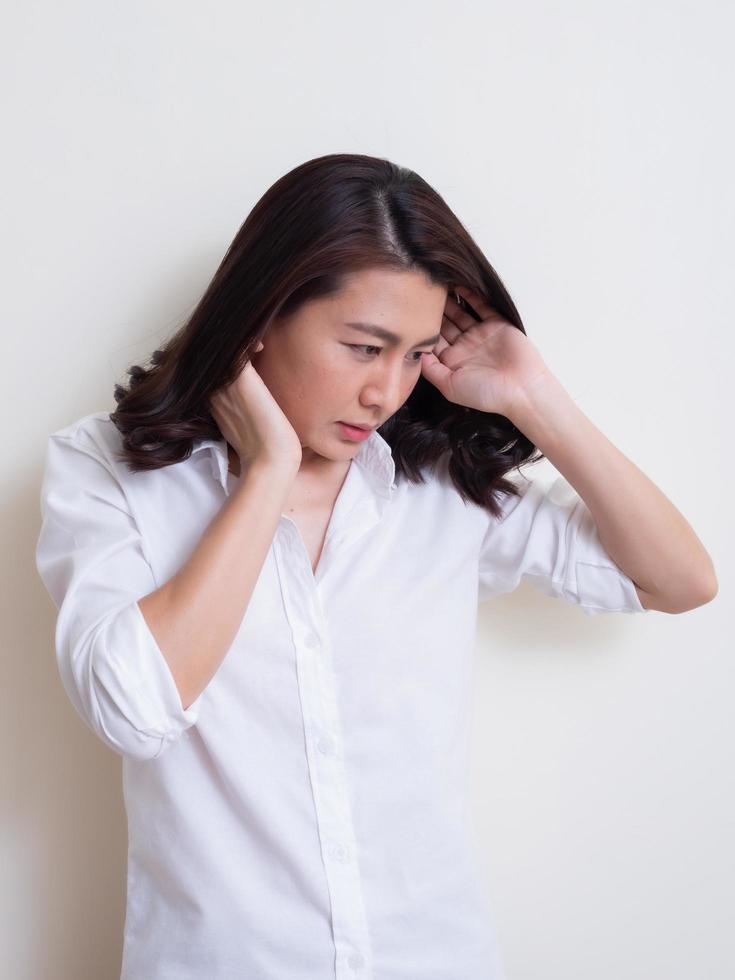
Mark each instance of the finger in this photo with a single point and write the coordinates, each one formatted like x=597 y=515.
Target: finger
x=442 y=344
x=478 y=303
x=456 y=315
x=437 y=373
x=449 y=331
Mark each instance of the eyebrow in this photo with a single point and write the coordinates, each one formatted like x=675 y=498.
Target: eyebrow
x=388 y=336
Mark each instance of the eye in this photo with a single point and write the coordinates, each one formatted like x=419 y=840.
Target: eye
x=363 y=347
x=366 y=347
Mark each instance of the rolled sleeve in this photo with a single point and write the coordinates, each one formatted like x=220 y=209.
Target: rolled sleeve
x=547 y=535
x=91 y=557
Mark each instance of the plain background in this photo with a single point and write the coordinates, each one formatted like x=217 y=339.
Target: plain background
x=588 y=149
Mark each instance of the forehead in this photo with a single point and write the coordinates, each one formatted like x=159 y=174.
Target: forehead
x=391 y=306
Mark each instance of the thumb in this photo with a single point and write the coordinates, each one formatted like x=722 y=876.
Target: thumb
x=435 y=372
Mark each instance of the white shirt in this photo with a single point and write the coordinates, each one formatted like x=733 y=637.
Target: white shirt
x=306 y=817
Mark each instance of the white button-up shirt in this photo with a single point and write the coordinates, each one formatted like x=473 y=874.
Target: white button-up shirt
x=306 y=817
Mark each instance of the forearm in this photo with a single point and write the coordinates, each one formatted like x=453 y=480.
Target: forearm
x=195 y=616
x=639 y=527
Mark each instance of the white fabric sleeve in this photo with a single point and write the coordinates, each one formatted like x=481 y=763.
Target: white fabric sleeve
x=548 y=536
x=91 y=558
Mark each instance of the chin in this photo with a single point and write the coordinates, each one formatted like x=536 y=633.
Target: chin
x=330 y=450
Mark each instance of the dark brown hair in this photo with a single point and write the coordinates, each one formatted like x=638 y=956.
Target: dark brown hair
x=326 y=218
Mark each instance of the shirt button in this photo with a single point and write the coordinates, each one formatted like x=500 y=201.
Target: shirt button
x=355 y=961
x=339 y=852
x=326 y=745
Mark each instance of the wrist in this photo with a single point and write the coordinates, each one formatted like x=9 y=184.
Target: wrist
x=274 y=472
x=538 y=408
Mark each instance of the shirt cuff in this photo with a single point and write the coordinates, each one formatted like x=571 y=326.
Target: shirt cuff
x=606 y=588
x=130 y=665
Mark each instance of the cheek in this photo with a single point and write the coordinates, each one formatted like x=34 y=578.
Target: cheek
x=333 y=371
x=326 y=372
x=411 y=384
x=320 y=382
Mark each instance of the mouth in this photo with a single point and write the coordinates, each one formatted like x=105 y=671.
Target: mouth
x=357 y=433
x=355 y=425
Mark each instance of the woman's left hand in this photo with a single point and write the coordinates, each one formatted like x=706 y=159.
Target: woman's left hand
x=489 y=365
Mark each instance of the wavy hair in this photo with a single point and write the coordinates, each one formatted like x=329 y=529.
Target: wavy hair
x=327 y=218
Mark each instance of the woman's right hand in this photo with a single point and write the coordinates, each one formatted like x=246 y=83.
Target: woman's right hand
x=252 y=421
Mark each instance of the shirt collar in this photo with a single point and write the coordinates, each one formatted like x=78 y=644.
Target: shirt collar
x=374 y=456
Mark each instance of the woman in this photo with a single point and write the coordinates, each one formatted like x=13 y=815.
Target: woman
x=279 y=642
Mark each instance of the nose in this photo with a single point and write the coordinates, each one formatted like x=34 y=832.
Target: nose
x=386 y=390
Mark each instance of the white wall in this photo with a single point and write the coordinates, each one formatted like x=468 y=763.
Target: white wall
x=588 y=148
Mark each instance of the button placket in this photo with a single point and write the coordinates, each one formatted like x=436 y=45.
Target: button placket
x=339 y=852
x=322 y=727
x=355 y=961
x=326 y=745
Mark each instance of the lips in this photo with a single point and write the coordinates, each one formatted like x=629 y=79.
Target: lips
x=355 y=425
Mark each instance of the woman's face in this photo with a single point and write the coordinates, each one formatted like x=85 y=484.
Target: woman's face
x=322 y=371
